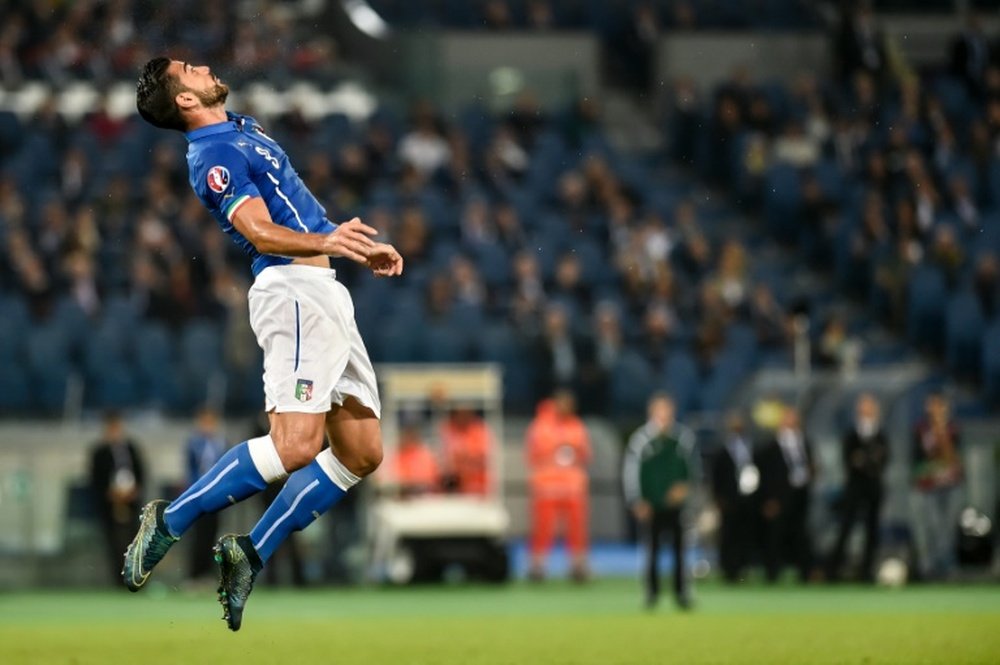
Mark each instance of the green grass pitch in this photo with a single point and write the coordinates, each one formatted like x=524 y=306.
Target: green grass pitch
x=556 y=623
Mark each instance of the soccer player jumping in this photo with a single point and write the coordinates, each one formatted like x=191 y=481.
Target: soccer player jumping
x=317 y=375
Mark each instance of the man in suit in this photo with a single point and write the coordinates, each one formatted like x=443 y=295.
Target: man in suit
x=786 y=475
x=735 y=480
x=866 y=455
x=117 y=475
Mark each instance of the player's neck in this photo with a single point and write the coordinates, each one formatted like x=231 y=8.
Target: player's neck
x=204 y=117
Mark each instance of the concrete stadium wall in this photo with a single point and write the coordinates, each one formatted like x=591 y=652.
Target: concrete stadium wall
x=456 y=68
x=711 y=57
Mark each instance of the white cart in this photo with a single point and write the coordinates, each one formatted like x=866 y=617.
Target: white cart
x=425 y=538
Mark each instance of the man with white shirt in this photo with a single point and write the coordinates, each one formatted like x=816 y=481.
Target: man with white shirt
x=786 y=475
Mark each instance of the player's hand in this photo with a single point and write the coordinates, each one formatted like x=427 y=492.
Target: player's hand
x=384 y=260
x=351 y=240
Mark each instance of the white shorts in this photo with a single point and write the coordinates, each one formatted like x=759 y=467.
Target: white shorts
x=313 y=353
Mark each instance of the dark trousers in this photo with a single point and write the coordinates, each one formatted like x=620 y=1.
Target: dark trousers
x=203 y=533
x=664 y=521
x=862 y=502
x=786 y=538
x=117 y=536
x=735 y=532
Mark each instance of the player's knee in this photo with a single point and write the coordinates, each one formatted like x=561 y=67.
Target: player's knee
x=364 y=456
x=297 y=446
x=369 y=457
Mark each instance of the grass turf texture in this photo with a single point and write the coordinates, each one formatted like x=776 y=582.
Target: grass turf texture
x=522 y=625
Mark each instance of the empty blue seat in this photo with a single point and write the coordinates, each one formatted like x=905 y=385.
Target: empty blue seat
x=15 y=395
x=682 y=379
x=155 y=365
x=991 y=363
x=50 y=365
x=964 y=327
x=632 y=382
x=926 y=300
x=201 y=361
x=441 y=342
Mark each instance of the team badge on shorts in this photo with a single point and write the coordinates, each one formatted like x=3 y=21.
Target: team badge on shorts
x=304 y=390
x=218 y=179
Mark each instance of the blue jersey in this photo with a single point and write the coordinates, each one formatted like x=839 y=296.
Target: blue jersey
x=233 y=161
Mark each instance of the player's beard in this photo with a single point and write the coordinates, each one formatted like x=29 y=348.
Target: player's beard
x=215 y=96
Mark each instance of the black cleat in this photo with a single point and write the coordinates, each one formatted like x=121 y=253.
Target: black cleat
x=238 y=567
x=148 y=547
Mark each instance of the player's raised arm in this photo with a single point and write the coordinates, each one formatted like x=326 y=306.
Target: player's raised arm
x=350 y=240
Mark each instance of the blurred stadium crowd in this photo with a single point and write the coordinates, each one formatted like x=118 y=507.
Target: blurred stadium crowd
x=529 y=239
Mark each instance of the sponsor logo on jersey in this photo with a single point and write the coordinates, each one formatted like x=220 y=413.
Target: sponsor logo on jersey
x=218 y=179
x=304 y=390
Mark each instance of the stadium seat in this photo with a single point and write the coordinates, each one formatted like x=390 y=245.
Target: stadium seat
x=109 y=378
x=201 y=361
x=156 y=365
x=441 y=342
x=682 y=379
x=15 y=396
x=50 y=366
x=991 y=363
x=964 y=327
x=926 y=301
x=632 y=382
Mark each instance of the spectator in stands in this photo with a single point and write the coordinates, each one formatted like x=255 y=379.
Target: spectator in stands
x=204 y=448
x=560 y=353
x=468 y=452
x=938 y=474
x=970 y=55
x=786 y=476
x=424 y=148
x=117 y=481
x=947 y=254
x=735 y=480
x=657 y=480
x=768 y=319
x=558 y=452
x=540 y=15
x=865 y=455
x=636 y=47
x=860 y=44
x=609 y=341
x=986 y=283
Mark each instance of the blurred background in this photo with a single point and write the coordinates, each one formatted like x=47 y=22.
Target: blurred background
x=783 y=214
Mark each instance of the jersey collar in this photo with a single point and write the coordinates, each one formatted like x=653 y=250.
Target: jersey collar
x=218 y=128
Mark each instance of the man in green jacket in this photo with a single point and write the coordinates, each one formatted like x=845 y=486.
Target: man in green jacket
x=656 y=478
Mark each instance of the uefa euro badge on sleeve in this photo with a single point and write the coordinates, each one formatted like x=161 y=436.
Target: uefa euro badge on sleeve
x=304 y=390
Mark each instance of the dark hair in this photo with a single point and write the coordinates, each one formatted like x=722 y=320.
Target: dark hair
x=155 y=95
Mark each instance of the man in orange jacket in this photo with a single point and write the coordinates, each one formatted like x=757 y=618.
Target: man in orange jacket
x=468 y=451
x=558 y=450
x=414 y=466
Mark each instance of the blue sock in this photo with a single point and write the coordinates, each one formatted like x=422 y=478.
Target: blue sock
x=309 y=493
x=233 y=478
